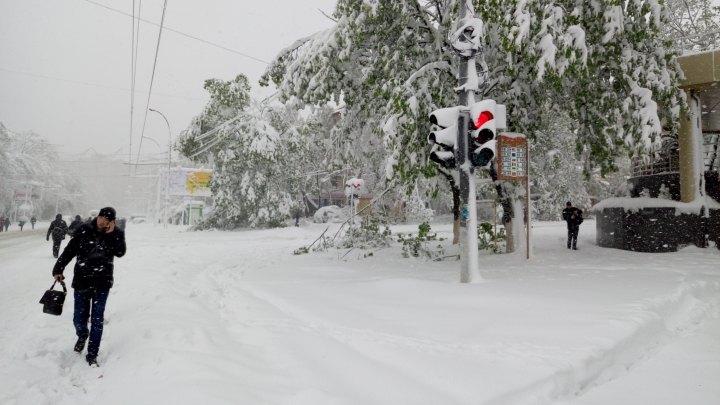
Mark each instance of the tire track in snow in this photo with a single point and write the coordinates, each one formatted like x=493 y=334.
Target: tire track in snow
x=658 y=321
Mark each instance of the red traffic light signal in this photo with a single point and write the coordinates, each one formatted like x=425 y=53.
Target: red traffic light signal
x=486 y=116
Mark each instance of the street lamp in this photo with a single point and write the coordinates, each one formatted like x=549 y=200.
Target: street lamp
x=167 y=184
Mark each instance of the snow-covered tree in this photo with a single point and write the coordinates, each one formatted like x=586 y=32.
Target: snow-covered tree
x=29 y=162
x=262 y=155
x=556 y=168
x=697 y=22
x=390 y=63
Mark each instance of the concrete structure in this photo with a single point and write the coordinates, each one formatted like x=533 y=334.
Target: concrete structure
x=685 y=179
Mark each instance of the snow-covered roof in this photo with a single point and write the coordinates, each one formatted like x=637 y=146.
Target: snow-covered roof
x=636 y=204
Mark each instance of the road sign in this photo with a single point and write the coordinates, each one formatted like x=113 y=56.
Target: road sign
x=513 y=157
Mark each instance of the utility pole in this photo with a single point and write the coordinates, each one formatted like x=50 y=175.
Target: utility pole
x=468 y=196
x=167 y=184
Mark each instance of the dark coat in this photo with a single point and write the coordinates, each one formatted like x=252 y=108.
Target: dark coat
x=74 y=224
x=572 y=223
x=58 y=228
x=95 y=252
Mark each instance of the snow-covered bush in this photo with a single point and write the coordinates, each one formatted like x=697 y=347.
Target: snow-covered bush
x=420 y=245
x=371 y=233
x=415 y=208
x=487 y=239
x=330 y=213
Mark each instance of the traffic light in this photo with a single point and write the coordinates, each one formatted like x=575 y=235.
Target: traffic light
x=486 y=117
x=445 y=137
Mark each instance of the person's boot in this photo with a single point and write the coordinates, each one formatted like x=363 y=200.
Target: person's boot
x=80 y=344
x=92 y=361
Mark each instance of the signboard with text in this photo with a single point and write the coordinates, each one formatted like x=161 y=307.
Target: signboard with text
x=187 y=182
x=512 y=156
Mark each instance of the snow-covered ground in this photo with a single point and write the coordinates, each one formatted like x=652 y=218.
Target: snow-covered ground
x=236 y=318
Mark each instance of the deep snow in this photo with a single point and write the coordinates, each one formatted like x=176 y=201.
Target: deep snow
x=235 y=318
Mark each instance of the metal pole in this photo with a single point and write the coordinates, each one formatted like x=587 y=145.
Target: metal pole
x=528 y=211
x=167 y=185
x=468 y=197
x=495 y=220
x=27 y=188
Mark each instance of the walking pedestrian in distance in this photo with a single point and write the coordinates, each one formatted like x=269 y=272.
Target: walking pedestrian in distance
x=74 y=224
x=22 y=221
x=58 y=229
x=574 y=218
x=95 y=244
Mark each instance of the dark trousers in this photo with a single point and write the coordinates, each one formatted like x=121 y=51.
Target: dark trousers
x=56 y=247
x=85 y=301
x=572 y=237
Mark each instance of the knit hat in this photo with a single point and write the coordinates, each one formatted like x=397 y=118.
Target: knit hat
x=107 y=212
x=568 y=203
x=58 y=216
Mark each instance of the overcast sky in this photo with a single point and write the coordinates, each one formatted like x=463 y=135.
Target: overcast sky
x=68 y=41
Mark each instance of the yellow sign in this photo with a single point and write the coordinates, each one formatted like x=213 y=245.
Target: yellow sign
x=198 y=182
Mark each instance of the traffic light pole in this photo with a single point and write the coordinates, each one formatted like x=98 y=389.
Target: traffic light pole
x=468 y=224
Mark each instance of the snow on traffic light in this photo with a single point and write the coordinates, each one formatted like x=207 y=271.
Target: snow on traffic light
x=446 y=119
x=486 y=117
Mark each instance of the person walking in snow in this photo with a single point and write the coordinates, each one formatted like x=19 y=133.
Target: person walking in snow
x=7 y=223
x=74 y=224
x=22 y=221
x=58 y=229
x=33 y=220
x=95 y=244
x=574 y=218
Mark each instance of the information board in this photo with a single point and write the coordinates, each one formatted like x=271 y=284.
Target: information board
x=187 y=182
x=512 y=157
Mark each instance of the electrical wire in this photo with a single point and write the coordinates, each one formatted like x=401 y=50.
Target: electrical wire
x=94 y=85
x=152 y=79
x=181 y=33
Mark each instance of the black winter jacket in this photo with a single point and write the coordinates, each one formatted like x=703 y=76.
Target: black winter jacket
x=58 y=228
x=572 y=223
x=74 y=224
x=95 y=252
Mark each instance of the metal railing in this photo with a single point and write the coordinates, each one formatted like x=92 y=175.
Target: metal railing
x=668 y=158
x=711 y=151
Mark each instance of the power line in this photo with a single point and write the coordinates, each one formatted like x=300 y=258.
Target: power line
x=181 y=33
x=93 y=84
x=152 y=79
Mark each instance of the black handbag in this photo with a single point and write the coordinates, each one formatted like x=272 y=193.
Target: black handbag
x=53 y=300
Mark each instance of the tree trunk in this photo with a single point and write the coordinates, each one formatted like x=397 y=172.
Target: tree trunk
x=456 y=206
x=506 y=201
